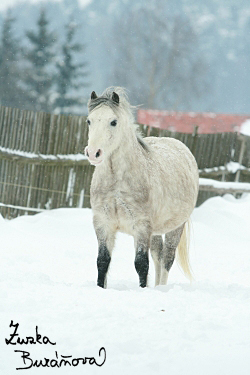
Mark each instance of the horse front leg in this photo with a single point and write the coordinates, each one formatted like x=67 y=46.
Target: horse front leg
x=106 y=241
x=103 y=261
x=141 y=257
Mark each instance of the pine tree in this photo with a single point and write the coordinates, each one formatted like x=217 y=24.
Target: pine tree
x=40 y=76
x=10 y=91
x=69 y=73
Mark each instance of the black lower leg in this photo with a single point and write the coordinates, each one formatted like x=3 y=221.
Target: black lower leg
x=103 y=261
x=142 y=265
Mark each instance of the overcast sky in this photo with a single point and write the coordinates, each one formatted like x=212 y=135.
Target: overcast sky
x=4 y=4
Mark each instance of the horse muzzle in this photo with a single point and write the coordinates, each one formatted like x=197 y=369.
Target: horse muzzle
x=95 y=156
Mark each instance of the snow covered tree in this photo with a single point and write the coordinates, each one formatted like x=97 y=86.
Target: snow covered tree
x=39 y=77
x=10 y=91
x=69 y=73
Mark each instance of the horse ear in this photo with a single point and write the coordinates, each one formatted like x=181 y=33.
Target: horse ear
x=115 y=97
x=93 y=95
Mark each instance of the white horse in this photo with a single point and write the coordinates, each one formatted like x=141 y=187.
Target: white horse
x=143 y=187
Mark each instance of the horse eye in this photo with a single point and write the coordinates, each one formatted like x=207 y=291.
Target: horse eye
x=88 y=121
x=113 y=123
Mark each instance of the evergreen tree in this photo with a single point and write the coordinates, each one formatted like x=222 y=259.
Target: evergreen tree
x=40 y=76
x=69 y=73
x=10 y=91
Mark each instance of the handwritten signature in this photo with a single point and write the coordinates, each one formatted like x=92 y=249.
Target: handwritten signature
x=63 y=360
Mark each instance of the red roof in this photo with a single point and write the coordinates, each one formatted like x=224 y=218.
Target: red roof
x=185 y=121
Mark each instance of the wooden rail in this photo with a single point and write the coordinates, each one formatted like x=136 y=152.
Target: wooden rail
x=41 y=159
x=220 y=187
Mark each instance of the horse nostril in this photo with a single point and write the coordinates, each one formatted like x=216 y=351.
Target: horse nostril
x=87 y=153
x=98 y=153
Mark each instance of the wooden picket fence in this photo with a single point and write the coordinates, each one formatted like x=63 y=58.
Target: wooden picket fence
x=32 y=173
x=42 y=165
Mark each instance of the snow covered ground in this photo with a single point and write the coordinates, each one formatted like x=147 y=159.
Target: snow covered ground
x=48 y=279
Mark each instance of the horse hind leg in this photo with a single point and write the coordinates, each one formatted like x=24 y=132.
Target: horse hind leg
x=171 y=242
x=156 y=247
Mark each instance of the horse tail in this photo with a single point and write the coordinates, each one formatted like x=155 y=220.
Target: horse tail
x=183 y=251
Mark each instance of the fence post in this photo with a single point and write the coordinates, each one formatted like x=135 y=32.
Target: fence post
x=195 y=136
x=242 y=150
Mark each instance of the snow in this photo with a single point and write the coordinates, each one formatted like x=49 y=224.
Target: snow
x=48 y=157
x=231 y=167
x=224 y=184
x=22 y=208
x=245 y=128
x=48 y=279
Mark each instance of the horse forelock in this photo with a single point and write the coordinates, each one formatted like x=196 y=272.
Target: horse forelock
x=98 y=102
x=106 y=99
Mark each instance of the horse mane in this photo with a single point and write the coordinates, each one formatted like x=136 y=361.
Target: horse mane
x=141 y=142
x=123 y=105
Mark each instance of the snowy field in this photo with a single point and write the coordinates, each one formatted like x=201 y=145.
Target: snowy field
x=48 y=279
